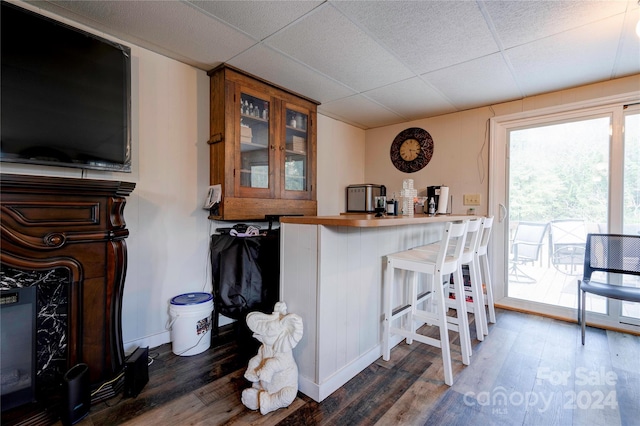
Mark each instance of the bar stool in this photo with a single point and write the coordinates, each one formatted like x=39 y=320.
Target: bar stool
x=483 y=261
x=437 y=267
x=468 y=257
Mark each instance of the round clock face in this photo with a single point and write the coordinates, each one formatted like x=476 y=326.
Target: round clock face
x=411 y=150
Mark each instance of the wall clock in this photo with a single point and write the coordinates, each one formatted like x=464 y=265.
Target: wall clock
x=411 y=150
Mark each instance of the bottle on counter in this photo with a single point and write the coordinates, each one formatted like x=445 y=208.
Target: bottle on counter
x=390 y=208
x=432 y=207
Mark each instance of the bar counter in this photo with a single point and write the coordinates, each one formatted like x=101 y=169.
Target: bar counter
x=331 y=274
x=369 y=220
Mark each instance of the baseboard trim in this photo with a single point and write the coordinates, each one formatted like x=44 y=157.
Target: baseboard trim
x=567 y=319
x=152 y=341
x=318 y=392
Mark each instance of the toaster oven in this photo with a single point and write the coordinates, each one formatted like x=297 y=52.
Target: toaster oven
x=360 y=198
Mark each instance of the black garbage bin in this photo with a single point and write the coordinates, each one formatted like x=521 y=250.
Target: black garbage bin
x=245 y=273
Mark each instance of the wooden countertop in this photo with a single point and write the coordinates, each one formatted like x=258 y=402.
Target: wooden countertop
x=370 y=221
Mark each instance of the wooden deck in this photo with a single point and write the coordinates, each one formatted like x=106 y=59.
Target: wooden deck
x=554 y=287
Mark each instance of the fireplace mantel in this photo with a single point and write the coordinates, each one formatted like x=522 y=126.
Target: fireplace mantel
x=77 y=224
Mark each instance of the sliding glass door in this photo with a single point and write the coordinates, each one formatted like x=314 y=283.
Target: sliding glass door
x=556 y=177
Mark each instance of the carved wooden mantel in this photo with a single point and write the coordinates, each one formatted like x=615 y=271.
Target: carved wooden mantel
x=77 y=224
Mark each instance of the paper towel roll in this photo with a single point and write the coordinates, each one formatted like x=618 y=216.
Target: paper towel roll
x=443 y=199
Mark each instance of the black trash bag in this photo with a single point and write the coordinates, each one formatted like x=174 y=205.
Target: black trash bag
x=245 y=272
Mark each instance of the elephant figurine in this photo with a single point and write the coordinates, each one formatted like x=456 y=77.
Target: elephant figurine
x=273 y=370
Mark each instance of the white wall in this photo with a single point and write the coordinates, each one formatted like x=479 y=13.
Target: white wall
x=459 y=157
x=169 y=230
x=341 y=162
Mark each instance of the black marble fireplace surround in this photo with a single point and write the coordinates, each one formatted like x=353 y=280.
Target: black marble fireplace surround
x=52 y=296
x=67 y=236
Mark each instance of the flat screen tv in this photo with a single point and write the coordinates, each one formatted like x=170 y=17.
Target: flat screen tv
x=66 y=95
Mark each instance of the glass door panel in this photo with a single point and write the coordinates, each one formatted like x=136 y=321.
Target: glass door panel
x=254 y=142
x=631 y=215
x=296 y=151
x=558 y=185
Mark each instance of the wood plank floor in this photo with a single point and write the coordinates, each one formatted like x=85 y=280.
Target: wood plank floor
x=530 y=370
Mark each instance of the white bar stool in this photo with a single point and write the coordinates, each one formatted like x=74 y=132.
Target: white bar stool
x=468 y=257
x=437 y=266
x=483 y=261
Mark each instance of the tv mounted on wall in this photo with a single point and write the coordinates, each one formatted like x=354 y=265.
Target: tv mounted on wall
x=66 y=95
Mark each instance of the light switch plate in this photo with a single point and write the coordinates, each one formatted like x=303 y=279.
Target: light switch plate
x=471 y=199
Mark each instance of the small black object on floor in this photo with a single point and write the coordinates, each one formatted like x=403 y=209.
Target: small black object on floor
x=77 y=398
x=136 y=373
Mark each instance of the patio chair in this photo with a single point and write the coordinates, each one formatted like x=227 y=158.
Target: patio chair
x=567 y=238
x=526 y=247
x=612 y=254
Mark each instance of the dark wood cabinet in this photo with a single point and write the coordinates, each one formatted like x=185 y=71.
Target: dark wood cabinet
x=77 y=225
x=262 y=147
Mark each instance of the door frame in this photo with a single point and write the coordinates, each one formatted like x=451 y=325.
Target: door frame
x=498 y=160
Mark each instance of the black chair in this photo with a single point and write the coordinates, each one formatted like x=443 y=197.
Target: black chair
x=609 y=253
x=526 y=247
x=567 y=238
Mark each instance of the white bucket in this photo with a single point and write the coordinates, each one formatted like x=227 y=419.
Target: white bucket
x=191 y=323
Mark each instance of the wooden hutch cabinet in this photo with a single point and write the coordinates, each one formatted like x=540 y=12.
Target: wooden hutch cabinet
x=262 y=147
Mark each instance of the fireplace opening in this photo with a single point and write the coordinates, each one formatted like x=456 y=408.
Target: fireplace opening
x=49 y=292
x=18 y=347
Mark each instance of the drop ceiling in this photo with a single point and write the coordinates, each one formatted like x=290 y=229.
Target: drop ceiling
x=376 y=63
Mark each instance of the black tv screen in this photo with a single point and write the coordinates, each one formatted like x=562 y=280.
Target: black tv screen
x=66 y=95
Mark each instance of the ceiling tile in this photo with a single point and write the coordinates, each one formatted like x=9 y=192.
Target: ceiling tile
x=520 y=22
x=259 y=19
x=412 y=99
x=570 y=59
x=327 y=41
x=279 y=69
x=628 y=55
x=476 y=83
x=191 y=33
x=425 y=35
x=360 y=112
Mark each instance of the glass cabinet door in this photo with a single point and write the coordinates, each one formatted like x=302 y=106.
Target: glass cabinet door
x=296 y=167
x=254 y=142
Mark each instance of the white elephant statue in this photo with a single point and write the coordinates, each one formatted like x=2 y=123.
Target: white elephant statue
x=273 y=370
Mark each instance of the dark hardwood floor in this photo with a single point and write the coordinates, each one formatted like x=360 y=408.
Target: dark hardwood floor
x=530 y=370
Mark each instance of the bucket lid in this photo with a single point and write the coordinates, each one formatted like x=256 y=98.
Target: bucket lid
x=191 y=298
